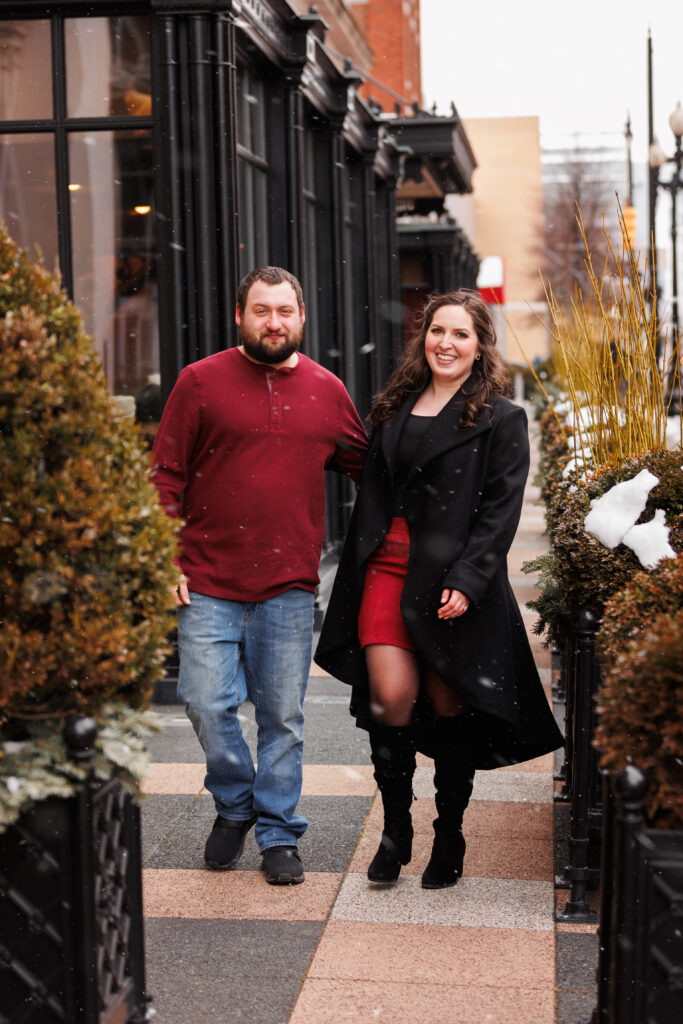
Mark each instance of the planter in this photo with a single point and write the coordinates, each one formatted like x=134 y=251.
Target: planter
x=640 y=971
x=71 y=926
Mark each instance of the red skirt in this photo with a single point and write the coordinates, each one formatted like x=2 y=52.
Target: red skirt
x=379 y=618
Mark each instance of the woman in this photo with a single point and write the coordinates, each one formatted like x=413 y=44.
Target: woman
x=422 y=621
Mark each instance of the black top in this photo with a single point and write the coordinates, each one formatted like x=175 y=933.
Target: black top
x=411 y=436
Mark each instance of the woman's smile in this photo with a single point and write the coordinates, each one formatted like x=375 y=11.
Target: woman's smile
x=451 y=346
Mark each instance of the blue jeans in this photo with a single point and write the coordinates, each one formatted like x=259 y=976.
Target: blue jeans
x=231 y=650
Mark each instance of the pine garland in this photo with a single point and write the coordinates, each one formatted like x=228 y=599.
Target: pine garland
x=38 y=766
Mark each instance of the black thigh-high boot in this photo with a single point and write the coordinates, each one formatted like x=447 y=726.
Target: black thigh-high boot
x=393 y=755
x=453 y=780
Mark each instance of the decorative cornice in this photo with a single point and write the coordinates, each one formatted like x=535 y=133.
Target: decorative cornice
x=442 y=143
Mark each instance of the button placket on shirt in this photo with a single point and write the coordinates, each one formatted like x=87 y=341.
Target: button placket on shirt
x=274 y=390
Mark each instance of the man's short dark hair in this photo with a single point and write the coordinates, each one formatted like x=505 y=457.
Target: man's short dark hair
x=269 y=275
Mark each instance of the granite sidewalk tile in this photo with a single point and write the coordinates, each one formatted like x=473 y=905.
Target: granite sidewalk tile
x=230 y=895
x=486 y=857
x=511 y=787
x=422 y=954
x=318 y=779
x=327 y=845
x=476 y=902
x=381 y=1002
x=244 y=972
x=483 y=818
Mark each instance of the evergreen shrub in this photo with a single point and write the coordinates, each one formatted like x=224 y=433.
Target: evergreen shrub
x=86 y=552
x=583 y=573
x=640 y=646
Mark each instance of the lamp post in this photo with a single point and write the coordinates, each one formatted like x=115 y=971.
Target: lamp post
x=628 y=135
x=658 y=159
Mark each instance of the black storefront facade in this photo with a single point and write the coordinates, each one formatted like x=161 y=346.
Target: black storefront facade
x=159 y=149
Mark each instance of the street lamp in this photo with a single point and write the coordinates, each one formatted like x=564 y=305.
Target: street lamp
x=628 y=135
x=657 y=160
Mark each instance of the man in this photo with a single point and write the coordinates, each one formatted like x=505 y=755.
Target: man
x=240 y=455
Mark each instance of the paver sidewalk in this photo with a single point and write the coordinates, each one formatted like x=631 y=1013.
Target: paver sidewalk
x=228 y=947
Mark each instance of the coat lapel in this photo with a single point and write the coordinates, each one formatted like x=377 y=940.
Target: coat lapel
x=444 y=432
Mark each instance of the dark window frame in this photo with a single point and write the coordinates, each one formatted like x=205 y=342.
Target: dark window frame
x=274 y=163
x=61 y=126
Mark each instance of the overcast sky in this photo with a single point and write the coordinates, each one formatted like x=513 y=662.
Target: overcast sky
x=579 y=66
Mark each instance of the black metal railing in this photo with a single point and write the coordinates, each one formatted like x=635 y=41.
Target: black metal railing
x=582 y=784
x=640 y=967
x=564 y=693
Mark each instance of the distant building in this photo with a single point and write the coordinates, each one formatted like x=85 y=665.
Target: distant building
x=507 y=216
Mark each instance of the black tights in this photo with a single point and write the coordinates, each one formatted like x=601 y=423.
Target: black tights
x=395 y=683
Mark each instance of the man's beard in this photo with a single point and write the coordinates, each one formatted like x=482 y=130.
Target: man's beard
x=258 y=348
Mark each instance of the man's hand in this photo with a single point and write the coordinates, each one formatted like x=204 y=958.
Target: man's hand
x=180 y=592
x=453 y=604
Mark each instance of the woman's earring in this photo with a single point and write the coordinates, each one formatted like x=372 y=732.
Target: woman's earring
x=478 y=355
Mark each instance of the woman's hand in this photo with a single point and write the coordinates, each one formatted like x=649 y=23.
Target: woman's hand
x=453 y=604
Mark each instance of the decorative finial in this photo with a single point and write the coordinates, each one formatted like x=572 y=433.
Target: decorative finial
x=80 y=733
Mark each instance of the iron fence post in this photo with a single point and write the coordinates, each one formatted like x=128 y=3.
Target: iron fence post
x=567 y=686
x=585 y=685
x=625 y=979
x=607 y=888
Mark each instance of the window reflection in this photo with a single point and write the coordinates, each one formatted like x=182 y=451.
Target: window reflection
x=251 y=106
x=252 y=171
x=25 y=70
x=311 y=241
x=108 y=66
x=253 y=205
x=112 y=218
x=28 y=204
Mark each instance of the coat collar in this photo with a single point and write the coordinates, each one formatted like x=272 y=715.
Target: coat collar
x=443 y=433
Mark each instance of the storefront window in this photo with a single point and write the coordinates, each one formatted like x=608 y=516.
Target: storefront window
x=311 y=284
x=108 y=67
x=114 y=280
x=95 y=181
x=25 y=70
x=28 y=201
x=251 y=108
x=252 y=171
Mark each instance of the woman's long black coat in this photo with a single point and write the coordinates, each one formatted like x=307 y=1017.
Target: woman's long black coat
x=463 y=501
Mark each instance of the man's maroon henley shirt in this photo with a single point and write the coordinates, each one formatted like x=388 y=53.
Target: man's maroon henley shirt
x=239 y=456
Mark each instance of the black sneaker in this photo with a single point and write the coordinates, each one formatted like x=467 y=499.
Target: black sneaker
x=226 y=842
x=282 y=865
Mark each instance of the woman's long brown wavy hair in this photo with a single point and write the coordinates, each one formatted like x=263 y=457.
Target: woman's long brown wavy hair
x=489 y=375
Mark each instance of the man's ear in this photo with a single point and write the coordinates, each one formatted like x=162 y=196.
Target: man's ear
x=238 y=315
x=303 y=313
